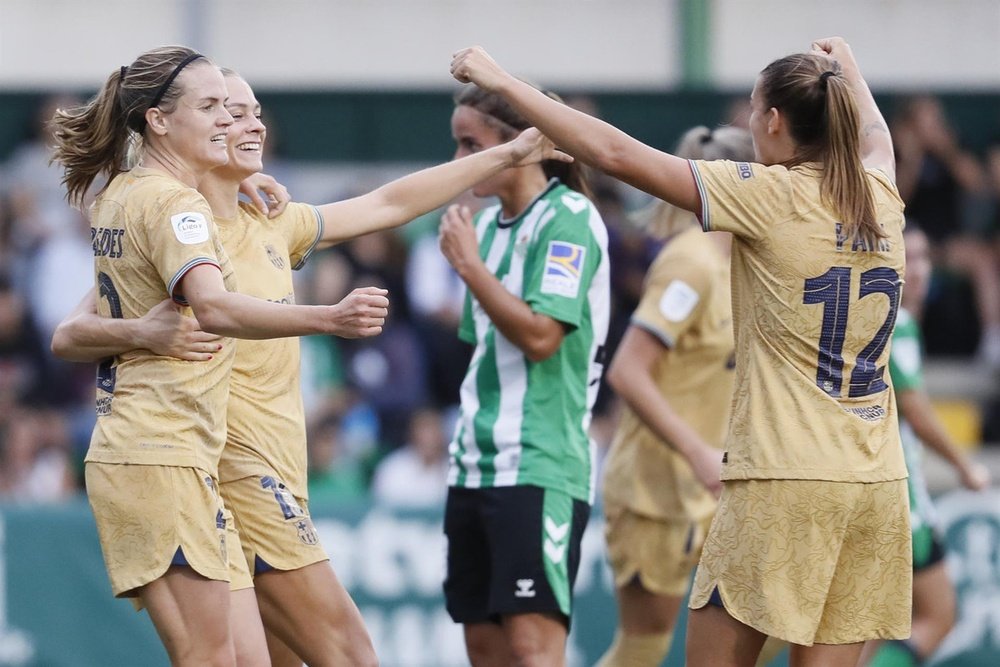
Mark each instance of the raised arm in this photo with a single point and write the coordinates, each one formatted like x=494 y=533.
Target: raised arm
x=413 y=195
x=876 y=142
x=586 y=138
x=360 y=314
x=86 y=336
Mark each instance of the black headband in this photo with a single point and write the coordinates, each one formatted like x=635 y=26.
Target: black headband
x=170 y=79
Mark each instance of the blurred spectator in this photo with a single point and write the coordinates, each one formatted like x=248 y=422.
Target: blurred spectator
x=416 y=474
x=946 y=190
x=335 y=477
x=35 y=464
x=25 y=370
x=436 y=297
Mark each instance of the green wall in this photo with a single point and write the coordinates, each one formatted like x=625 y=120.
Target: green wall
x=413 y=126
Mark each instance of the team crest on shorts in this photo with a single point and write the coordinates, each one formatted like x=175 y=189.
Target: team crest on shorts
x=307 y=532
x=563 y=266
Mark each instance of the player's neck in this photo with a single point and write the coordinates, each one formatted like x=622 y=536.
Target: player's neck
x=222 y=195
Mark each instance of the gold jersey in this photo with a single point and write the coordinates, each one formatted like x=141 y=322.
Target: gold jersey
x=813 y=313
x=148 y=230
x=266 y=420
x=686 y=305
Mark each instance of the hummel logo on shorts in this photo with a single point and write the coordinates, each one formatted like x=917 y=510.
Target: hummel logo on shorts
x=525 y=588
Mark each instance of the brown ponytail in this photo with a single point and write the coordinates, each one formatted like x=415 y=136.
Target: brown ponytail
x=94 y=139
x=509 y=123
x=817 y=102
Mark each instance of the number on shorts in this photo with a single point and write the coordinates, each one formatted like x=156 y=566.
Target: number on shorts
x=832 y=289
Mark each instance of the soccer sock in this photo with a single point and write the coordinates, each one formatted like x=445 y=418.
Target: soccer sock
x=897 y=653
x=636 y=650
x=772 y=647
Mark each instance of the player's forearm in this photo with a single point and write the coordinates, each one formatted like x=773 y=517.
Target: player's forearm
x=90 y=337
x=240 y=316
x=537 y=336
x=413 y=195
x=919 y=413
x=874 y=130
x=639 y=391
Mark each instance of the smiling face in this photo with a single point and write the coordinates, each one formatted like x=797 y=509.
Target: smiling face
x=195 y=130
x=246 y=137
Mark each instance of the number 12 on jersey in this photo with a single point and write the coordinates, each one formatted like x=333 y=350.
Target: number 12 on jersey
x=833 y=290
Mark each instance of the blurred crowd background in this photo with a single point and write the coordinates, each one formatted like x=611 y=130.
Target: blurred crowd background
x=380 y=410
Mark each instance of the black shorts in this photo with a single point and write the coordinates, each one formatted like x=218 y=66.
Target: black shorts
x=511 y=550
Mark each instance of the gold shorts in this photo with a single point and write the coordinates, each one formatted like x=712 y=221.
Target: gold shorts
x=275 y=529
x=811 y=561
x=662 y=553
x=146 y=513
x=239 y=572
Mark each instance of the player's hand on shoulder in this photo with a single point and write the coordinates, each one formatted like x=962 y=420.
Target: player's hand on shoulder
x=474 y=65
x=167 y=332
x=360 y=314
x=266 y=193
x=532 y=146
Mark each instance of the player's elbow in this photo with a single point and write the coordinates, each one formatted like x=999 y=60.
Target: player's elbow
x=61 y=344
x=213 y=315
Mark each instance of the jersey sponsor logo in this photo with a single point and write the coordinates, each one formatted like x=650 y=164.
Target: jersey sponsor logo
x=525 y=588
x=744 y=170
x=871 y=413
x=678 y=300
x=106 y=242
x=276 y=259
x=190 y=228
x=563 y=267
x=555 y=540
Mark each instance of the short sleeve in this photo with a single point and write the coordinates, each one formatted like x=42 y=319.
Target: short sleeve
x=302 y=226
x=675 y=292
x=180 y=234
x=562 y=261
x=741 y=197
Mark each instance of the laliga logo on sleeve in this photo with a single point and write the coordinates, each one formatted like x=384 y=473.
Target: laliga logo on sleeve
x=190 y=228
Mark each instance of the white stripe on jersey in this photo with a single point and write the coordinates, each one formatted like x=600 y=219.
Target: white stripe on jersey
x=600 y=315
x=511 y=364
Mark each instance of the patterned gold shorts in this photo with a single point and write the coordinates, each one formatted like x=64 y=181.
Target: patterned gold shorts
x=146 y=513
x=661 y=553
x=275 y=529
x=811 y=561
x=239 y=572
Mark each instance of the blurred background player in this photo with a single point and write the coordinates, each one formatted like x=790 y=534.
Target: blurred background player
x=933 y=592
x=674 y=370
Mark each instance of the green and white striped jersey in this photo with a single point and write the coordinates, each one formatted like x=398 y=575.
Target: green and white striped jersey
x=521 y=422
x=906 y=368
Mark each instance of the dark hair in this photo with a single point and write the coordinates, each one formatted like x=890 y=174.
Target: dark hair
x=509 y=123
x=823 y=119
x=93 y=139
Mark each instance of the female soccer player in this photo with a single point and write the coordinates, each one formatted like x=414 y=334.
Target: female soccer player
x=151 y=466
x=674 y=370
x=520 y=480
x=811 y=541
x=263 y=465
